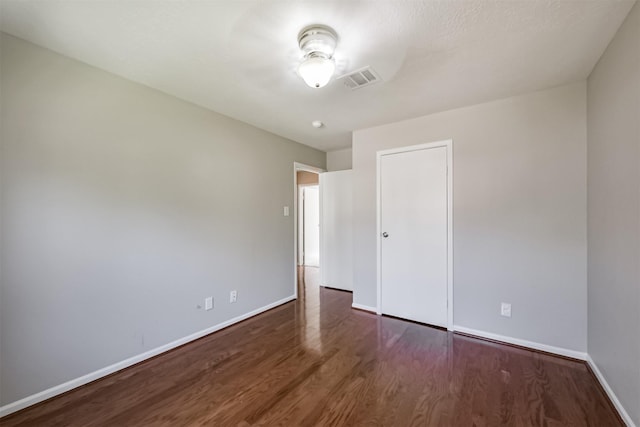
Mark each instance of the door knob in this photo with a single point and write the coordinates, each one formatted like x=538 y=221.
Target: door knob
x=385 y=234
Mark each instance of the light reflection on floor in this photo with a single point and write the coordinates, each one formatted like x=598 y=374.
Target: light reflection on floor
x=309 y=297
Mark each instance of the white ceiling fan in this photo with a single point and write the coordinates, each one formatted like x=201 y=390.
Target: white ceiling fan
x=318 y=44
x=311 y=42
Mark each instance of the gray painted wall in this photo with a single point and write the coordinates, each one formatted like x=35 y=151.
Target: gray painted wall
x=339 y=160
x=613 y=131
x=519 y=212
x=122 y=209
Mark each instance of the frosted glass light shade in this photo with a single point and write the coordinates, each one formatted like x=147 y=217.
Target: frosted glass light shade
x=316 y=71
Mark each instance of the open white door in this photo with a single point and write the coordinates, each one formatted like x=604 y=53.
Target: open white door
x=336 y=197
x=414 y=241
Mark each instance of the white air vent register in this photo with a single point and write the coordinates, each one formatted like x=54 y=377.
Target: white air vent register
x=360 y=78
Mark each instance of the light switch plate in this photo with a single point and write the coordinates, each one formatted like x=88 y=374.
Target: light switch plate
x=505 y=309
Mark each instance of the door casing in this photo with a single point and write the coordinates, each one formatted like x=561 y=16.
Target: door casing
x=297 y=166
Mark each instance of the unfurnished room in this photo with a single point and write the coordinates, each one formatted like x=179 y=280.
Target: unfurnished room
x=320 y=213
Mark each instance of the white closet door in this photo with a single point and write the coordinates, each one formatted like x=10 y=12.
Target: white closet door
x=413 y=220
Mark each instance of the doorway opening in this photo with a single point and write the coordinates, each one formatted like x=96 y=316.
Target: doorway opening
x=307 y=227
x=308 y=220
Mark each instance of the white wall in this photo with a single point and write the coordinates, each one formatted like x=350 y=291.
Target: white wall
x=339 y=160
x=519 y=189
x=614 y=214
x=121 y=209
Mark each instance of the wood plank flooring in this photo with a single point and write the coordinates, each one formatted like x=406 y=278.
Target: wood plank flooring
x=317 y=362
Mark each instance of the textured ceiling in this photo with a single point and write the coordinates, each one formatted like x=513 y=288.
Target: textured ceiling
x=239 y=57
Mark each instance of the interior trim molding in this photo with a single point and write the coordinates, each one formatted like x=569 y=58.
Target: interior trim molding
x=612 y=396
x=364 y=307
x=523 y=343
x=95 y=375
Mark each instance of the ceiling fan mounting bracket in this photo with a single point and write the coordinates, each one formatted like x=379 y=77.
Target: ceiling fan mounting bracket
x=317 y=41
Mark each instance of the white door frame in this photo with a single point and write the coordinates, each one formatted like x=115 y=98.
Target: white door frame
x=296 y=168
x=448 y=144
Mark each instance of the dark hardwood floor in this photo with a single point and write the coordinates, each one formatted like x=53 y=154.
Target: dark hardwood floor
x=316 y=361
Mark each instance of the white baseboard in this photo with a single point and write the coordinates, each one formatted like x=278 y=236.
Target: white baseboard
x=364 y=307
x=625 y=416
x=77 y=382
x=524 y=343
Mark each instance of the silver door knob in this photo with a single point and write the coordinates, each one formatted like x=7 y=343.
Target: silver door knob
x=385 y=234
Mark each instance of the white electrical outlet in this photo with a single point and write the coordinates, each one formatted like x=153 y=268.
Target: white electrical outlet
x=233 y=296
x=208 y=303
x=505 y=309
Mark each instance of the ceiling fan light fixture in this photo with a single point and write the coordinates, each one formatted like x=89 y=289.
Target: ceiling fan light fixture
x=316 y=71
x=317 y=43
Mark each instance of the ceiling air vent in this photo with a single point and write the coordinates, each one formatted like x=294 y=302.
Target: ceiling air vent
x=360 y=78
